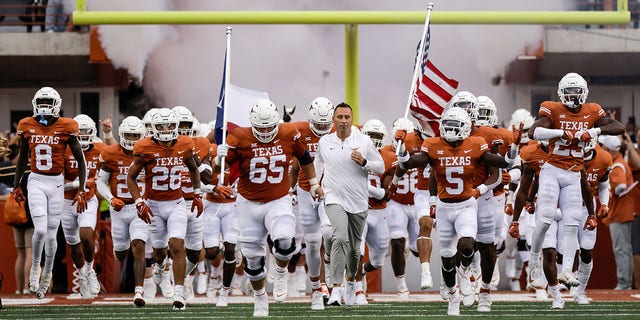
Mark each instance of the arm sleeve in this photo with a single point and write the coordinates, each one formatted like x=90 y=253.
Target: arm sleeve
x=318 y=162
x=541 y=133
x=377 y=193
x=603 y=191
x=71 y=185
x=101 y=184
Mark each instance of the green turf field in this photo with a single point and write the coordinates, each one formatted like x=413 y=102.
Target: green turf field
x=396 y=310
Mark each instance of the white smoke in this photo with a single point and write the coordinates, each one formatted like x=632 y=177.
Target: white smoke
x=296 y=63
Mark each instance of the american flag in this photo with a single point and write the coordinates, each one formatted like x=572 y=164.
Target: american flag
x=433 y=92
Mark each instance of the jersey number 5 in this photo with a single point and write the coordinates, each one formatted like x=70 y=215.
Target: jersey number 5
x=455 y=184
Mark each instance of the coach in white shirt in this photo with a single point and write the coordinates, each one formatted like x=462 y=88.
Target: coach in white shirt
x=343 y=160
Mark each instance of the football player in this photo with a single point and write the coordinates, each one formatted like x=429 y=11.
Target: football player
x=263 y=153
x=45 y=137
x=454 y=158
x=311 y=213
x=79 y=228
x=163 y=158
x=567 y=125
x=127 y=231
x=376 y=230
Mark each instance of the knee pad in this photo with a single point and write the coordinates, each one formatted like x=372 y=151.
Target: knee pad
x=585 y=256
x=283 y=249
x=148 y=262
x=522 y=245
x=559 y=258
x=500 y=248
x=254 y=268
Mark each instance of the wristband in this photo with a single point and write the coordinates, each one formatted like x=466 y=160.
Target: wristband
x=203 y=167
x=395 y=180
x=482 y=188
x=404 y=158
x=108 y=135
x=216 y=160
x=138 y=200
x=433 y=200
x=197 y=191
x=313 y=181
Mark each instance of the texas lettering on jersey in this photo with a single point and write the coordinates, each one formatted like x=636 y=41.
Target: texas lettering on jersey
x=118 y=163
x=454 y=167
x=310 y=140
x=264 y=177
x=568 y=155
x=47 y=144
x=596 y=168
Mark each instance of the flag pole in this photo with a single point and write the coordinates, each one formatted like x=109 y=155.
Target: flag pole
x=227 y=76
x=416 y=66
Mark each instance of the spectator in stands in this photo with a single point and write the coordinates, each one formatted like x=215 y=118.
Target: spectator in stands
x=620 y=217
x=35 y=14
x=23 y=233
x=56 y=18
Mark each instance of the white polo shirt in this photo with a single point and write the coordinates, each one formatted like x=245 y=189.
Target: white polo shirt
x=345 y=182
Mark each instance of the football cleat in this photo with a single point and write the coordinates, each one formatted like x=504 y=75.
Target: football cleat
x=317 y=301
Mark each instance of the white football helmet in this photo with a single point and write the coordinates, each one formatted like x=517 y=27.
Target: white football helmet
x=455 y=124
x=572 y=90
x=46 y=102
x=87 y=130
x=487 y=112
x=205 y=128
x=146 y=121
x=591 y=144
x=522 y=116
x=164 y=125
x=320 y=116
x=131 y=127
x=185 y=118
x=376 y=130
x=264 y=119
x=467 y=101
x=196 y=127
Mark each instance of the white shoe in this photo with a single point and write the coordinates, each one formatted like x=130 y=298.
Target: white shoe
x=484 y=302
x=280 y=287
x=92 y=280
x=260 y=306
x=178 y=302
x=558 y=302
x=150 y=289
x=464 y=281
x=188 y=288
x=138 y=299
x=444 y=292
x=361 y=300
x=44 y=284
x=336 y=297
x=403 y=295
x=157 y=273
x=350 y=294
x=535 y=275
x=211 y=289
x=223 y=298
x=515 y=285
x=454 y=304
x=568 y=278
x=34 y=278
x=541 y=294
x=202 y=283
x=85 y=290
x=317 y=301
x=165 y=285
x=581 y=298
x=426 y=281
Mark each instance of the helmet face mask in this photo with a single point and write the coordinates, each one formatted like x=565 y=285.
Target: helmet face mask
x=487 y=112
x=320 y=116
x=46 y=102
x=186 y=120
x=88 y=130
x=376 y=130
x=467 y=101
x=455 y=125
x=264 y=118
x=146 y=121
x=572 y=90
x=130 y=131
x=164 y=125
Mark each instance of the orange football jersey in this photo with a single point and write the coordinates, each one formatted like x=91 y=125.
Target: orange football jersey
x=409 y=182
x=116 y=161
x=597 y=167
x=92 y=160
x=533 y=156
x=47 y=144
x=311 y=142
x=569 y=155
x=389 y=157
x=201 y=146
x=164 y=166
x=493 y=137
x=264 y=167
x=213 y=152
x=454 y=167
